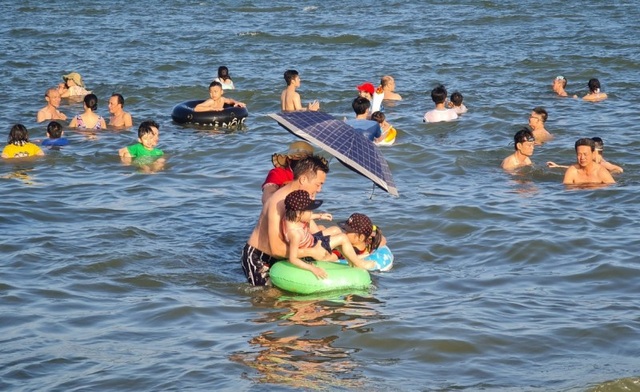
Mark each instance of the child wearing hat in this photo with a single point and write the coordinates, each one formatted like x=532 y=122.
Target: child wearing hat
x=297 y=227
x=365 y=237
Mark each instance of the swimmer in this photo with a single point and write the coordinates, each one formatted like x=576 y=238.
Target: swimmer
x=524 y=143
x=50 y=111
x=388 y=85
x=54 y=136
x=366 y=90
x=597 y=158
x=89 y=119
x=368 y=128
x=148 y=136
x=365 y=237
x=537 y=118
x=73 y=86
x=224 y=78
x=440 y=113
x=18 y=144
x=290 y=98
x=388 y=131
x=119 y=118
x=586 y=170
x=594 y=94
x=456 y=104
x=216 y=101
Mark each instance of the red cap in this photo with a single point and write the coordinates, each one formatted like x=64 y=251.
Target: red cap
x=367 y=87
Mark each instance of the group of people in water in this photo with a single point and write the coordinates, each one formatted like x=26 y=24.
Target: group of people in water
x=73 y=88
x=286 y=227
x=590 y=167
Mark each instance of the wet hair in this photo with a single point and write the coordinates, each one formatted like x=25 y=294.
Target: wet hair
x=18 y=135
x=145 y=128
x=360 y=105
x=289 y=75
x=54 y=129
x=439 y=94
x=119 y=97
x=585 y=141
x=291 y=215
x=384 y=81
x=594 y=85
x=91 y=101
x=522 y=136
x=309 y=166
x=223 y=73
x=599 y=143
x=542 y=112
x=215 y=83
x=378 y=117
x=456 y=98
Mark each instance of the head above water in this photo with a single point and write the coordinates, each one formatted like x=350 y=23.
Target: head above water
x=562 y=80
x=290 y=75
x=594 y=85
x=54 y=130
x=585 y=141
x=378 y=117
x=309 y=166
x=146 y=128
x=439 y=94
x=456 y=98
x=522 y=136
x=539 y=110
x=223 y=73
x=91 y=102
x=18 y=135
x=599 y=143
x=360 y=105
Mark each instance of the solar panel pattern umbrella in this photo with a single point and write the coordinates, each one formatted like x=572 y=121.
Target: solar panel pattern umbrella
x=342 y=141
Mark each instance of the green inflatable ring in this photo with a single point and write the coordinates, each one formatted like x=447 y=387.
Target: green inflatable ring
x=288 y=277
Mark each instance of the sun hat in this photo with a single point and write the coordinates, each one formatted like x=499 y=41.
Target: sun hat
x=300 y=200
x=77 y=79
x=359 y=224
x=367 y=87
x=298 y=149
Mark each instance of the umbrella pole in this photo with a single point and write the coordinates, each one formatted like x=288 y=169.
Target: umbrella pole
x=373 y=189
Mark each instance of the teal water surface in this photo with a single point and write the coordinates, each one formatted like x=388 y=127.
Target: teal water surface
x=115 y=279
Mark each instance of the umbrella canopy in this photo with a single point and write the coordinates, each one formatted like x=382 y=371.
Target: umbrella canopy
x=343 y=142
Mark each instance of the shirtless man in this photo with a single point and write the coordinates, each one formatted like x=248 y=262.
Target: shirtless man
x=119 y=118
x=216 y=101
x=290 y=98
x=265 y=245
x=586 y=171
x=388 y=85
x=537 y=118
x=50 y=111
x=559 y=84
x=523 y=142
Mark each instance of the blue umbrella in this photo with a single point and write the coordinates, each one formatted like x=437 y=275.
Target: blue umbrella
x=343 y=142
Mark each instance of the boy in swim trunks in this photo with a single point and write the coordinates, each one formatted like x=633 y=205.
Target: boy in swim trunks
x=297 y=228
x=290 y=98
x=216 y=101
